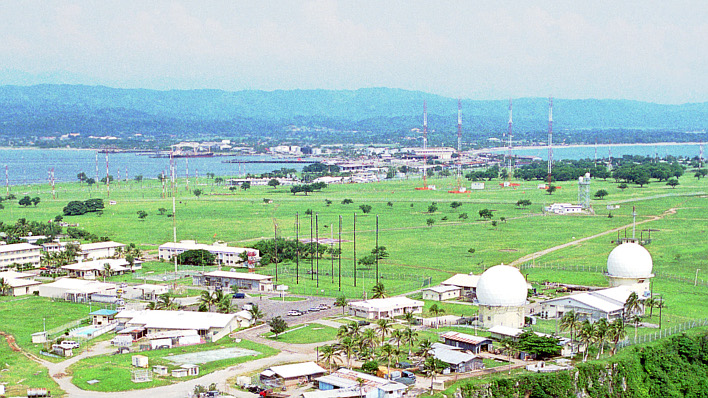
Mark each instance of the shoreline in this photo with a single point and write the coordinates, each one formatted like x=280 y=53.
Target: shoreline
x=529 y=147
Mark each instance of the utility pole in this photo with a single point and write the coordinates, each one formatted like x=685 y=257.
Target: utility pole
x=317 y=250
x=377 y=248
x=339 y=256
x=297 y=248
x=550 y=140
x=695 y=280
x=354 y=249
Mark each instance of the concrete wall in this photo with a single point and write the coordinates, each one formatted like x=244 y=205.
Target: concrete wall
x=501 y=316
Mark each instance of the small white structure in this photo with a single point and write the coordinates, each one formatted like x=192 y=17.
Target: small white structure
x=78 y=290
x=139 y=361
x=96 y=268
x=385 y=307
x=505 y=332
x=441 y=293
x=140 y=375
x=93 y=251
x=160 y=370
x=501 y=293
x=466 y=282
x=630 y=264
x=19 y=253
x=192 y=370
x=564 y=208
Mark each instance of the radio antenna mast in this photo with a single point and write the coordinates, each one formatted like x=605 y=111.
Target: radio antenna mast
x=550 y=140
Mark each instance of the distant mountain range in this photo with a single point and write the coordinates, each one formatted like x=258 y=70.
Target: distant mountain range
x=46 y=109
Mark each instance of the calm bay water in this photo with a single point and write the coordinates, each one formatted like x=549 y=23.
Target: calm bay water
x=31 y=166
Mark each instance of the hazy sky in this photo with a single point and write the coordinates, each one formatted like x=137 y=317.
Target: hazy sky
x=645 y=50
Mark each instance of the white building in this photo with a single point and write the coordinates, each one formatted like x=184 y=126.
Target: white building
x=564 y=208
x=605 y=303
x=242 y=280
x=225 y=255
x=442 y=153
x=466 y=282
x=291 y=375
x=501 y=293
x=441 y=293
x=210 y=326
x=96 y=268
x=372 y=386
x=19 y=253
x=20 y=283
x=75 y=289
x=385 y=307
x=93 y=251
x=630 y=265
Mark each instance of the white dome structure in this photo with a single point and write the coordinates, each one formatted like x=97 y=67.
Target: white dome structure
x=629 y=260
x=502 y=286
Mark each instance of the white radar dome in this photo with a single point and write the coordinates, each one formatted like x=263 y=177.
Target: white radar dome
x=629 y=260
x=502 y=286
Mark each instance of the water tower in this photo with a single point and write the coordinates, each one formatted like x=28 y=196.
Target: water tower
x=584 y=191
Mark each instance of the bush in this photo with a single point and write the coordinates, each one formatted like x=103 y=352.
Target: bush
x=370 y=367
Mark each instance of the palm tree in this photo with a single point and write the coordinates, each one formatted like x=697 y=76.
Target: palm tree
x=368 y=339
x=509 y=346
x=4 y=287
x=409 y=317
x=635 y=319
x=632 y=305
x=379 y=291
x=432 y=367
x=617 y=332
x=651 y=303
x=384 y=328
x=425 y=348
x=397 y=338
x=586 y=335
x=388 y=352
x=106 y=270
x=360 y=382
x=206 y=300
x=256 y=313
x=435 y=310
x=410 y=336
x=341 y=302
x=660 y=305
x=165 y=301
x=570 y=320
x=329 y=355
x=346 y=347
x=224 y=305
x=601 y=335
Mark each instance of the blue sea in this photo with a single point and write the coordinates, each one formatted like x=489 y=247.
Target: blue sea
x=31 y=166
x=603 y=151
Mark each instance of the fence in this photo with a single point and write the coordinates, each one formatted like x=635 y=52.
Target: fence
x=61 y=329
x=603 y=269
x=648 y=338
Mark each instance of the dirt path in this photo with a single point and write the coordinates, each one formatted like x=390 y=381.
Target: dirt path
x=540 y=253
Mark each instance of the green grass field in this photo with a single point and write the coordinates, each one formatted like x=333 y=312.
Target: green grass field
x=113 y=372
x=18 y=373
x=311 y=333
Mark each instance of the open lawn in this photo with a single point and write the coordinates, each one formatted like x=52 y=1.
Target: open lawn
x=113 y=372
x=18 y=373
x=311 y=333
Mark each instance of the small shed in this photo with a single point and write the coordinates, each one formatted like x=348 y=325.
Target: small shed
x=140 y=361
x=442 y=292
x=39 y=337
x=179 y=372
x=192 y=370
x=160 y=370
x=291 y=375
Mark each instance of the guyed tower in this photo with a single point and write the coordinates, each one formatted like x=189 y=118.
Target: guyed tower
x=510 y=169
x=460 y=188
x=425 y=148
x=550 y=140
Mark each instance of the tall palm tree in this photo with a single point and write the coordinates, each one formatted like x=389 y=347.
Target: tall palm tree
x=409 y=317
x=4 y=287
x=224 y=305
x=635 y=319
x=410 y=337
x=355 y=329
x=388 y=352
x=570 y=320
x=435 y=310
x=379 y=291
x=586 y=335
x=206 y=300
x=661 y=304
x=601 y=335
x=397 y=338
x=509 y=346
x=632 y=305
x=617 y=332
x=341 y=302
x=346 y=347
x=368 y=339
x=329 y=355
x=256 y=313
x=425 y=348
x=106 y=270
x=165 y=301
x=650 y=303
x=383 y=326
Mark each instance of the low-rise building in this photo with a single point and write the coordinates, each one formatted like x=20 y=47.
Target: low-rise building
x=291 y=375
x=93 y=251
x=505 y=332
x=103 y=317
x=210 y=326
x=19 y=253
x=564 y=208
x=97 y=268
x=441 y=293
x=226 y=279
x=225 y=255
x=457 y=360
x=19 y=283
x=474 y=344
x=466 y=282
x=77 y=290
x=385 y=307
x=605 y=303
x=368 y=386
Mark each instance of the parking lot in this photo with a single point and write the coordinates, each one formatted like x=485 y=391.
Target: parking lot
x=276 y=307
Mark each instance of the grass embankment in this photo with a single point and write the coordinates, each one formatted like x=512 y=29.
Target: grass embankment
x=20 y=373
x=114 y=372
x=311 y=333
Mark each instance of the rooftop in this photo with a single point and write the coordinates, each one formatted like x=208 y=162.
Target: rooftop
x=442 y=289
x=464 y=338
x=462 y=280
x=297 y=370
x=238 y=275
x=506 y=331
x=159 y=319
x=386 y=304
x=104 y=312
x=117 y=264
x=100 y=245
x=18 y=246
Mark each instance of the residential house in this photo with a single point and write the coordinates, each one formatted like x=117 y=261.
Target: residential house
x=77 y=290
x=466 y=282
x=96 y=268
x=93 y=251
x=19 y=283
x=291 y=375
x=441 y=293
x=210 y=326
x=457 y=360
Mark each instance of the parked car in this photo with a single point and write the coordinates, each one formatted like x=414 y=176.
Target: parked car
x=364 y=323
x=314 y=309
x=67 y=344
x=239 y=295
x=294 y=313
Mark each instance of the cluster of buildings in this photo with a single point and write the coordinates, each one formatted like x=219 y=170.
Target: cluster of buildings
x=225 y=255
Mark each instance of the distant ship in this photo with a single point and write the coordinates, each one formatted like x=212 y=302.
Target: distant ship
x=180 y=154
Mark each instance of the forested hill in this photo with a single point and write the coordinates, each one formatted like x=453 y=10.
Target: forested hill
x=98 y=109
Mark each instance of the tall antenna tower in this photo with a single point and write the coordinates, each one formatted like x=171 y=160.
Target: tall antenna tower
x=609 y=149
x=187 y=160
x=51 y=182
x=459 y=145
x=7 y=181
x=550 y=140
x=108 y=180
x=172 y=172
x=700 y=157
x=425 y=145
x=584 y=191
x=510 y=170
x=97 y=169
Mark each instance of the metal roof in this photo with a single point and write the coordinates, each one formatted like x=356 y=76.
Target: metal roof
x=465 y=338
x=297 y=370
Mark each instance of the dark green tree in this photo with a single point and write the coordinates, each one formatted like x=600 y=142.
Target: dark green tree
x=277 y=326
x=199 y=257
